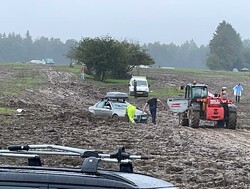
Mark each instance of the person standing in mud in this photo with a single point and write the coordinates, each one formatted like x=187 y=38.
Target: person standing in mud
x=135 y=88
x=224 y=104
x=152 y=103
x=82 y=71
x=237 y=92
x=223 y=93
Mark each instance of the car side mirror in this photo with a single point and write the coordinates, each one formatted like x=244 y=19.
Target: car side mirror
x=129 y=85
x=148 y=85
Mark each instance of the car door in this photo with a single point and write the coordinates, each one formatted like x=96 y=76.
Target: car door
x=98 y=110
x=107 y=109
x=103 y=109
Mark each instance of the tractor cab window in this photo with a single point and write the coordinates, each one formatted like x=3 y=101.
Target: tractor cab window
x=199 y=92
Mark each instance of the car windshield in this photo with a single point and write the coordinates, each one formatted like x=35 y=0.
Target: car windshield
x=140 y=82
x=119 y=105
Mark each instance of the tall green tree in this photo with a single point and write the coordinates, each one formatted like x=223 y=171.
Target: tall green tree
x=105 y=56
x=225 y=49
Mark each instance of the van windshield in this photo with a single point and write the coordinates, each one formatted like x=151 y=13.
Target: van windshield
x=141 y=83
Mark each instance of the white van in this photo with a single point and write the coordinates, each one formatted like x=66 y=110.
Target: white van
x=142 y=86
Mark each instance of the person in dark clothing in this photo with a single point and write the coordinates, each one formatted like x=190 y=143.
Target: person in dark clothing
x=152 y=103
x=135 y=88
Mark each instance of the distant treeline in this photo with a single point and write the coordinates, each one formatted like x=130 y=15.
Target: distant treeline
x=187 y=55
x=15 y=48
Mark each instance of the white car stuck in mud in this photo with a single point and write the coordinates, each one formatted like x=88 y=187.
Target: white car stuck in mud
x=113 y=105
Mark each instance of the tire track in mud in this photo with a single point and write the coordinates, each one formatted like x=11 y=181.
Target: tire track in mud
x=205 y=157
x=228 y=138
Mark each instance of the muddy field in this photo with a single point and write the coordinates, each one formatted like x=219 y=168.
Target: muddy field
x=56 y=113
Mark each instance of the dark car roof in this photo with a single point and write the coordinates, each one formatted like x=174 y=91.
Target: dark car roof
x=88 y=174
x=104 y=178
x=63 y=177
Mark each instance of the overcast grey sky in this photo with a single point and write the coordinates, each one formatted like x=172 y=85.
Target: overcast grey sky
x=145 y=21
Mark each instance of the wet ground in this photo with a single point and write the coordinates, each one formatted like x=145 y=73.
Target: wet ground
x=56 y=113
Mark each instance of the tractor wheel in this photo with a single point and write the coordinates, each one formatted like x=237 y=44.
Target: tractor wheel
x=232 y=120
x=194 y=118
x=183 y=120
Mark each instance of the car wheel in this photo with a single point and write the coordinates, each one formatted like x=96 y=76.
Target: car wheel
x=115 y=117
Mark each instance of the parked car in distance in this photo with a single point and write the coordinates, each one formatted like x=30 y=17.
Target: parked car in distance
x=244 y=70
x=36 y=62
x=113 y=105
x=49 y=61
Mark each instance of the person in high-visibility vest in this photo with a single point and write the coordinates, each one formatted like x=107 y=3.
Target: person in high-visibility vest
x=130 y=111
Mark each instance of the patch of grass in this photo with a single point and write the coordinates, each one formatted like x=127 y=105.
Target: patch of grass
x=117 y=81
x=206 y=72
x=15 y=87
x=74 y=70
x=15 y=66
x=5 y=110
x=166 y=93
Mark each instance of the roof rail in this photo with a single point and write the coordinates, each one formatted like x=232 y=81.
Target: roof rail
x=91 y=157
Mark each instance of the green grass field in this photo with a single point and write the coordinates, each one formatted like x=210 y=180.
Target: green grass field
x=28 y=78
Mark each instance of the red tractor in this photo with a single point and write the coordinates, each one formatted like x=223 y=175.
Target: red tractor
x=198 y=105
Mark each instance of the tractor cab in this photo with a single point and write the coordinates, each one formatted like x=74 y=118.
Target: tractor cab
x=196 y=91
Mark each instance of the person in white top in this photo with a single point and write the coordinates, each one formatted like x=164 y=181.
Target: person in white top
x=237 y=92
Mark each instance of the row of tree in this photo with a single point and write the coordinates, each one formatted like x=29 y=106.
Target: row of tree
x=225 y=51
x=187 y=55
x=15 y=48
x=108 y=57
